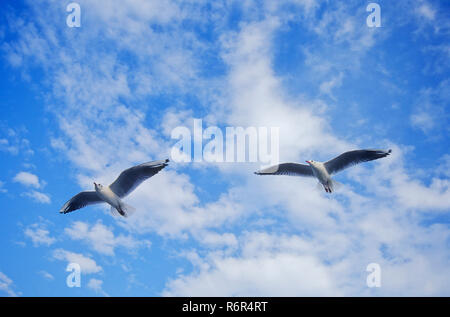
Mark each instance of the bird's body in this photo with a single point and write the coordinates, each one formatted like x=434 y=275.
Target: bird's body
x=323 y=170
x=322 y=175
x=108 y=196
x=127 y=181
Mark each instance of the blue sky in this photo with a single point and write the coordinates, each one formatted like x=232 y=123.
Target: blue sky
x=81 y=104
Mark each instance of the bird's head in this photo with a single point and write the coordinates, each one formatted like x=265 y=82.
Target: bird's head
x=310 y=162
x=98 y=186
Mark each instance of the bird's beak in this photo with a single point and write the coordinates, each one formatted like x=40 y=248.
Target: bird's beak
x=308 y=162
x=95 y=184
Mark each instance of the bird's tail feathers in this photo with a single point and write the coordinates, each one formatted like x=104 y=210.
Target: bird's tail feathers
x=125 y=210
x=114 y=212
x=336 y=185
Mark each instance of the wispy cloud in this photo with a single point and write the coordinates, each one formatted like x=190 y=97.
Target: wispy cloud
x=429 y=114
x=38 y=197
x=27 y=179
x=425 y=10
x=87 y=264
x=327 y=86
x=47 y=275
x=39 y=234
x=6 y=285
x=31 y=180
x=96 y=285
x=282 y=270
x=101 y=238
x=2 y=187
x=14 y=142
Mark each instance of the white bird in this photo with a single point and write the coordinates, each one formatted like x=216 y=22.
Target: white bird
x=323 y=171
x=127 y=181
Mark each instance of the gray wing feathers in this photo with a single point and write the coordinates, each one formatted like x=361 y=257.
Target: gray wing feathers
x=80 y=200
x=130 y=178
x=291 y=169
x=350 y=158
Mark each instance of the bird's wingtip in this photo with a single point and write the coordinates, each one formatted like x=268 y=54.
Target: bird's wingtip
x=389 y=151
x=63 y=209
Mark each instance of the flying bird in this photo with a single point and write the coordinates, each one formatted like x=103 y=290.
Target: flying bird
x=127 y=181
x=323 y=171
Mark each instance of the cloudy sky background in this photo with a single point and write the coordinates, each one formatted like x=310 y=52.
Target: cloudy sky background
x=82 y=104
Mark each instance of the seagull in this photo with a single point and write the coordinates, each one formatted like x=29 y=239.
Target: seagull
x=323 y=171
x=127 y=181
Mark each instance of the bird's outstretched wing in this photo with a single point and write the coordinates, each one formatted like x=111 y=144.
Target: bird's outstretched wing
x=291 y=169
x=131 y=178
x=80 y=200
x=350 y=158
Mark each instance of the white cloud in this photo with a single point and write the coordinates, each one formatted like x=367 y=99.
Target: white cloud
x=13 y=141
x=426 y=11
x=278 y=275
x=173 y=119
x=6 y=285
x=327 y=86
x=88 y=265
x=444 y=166
x=96 y=285
x=101 y=238
x=47 y=275
x=430 y=20
x=2 y=189
x=429 y=113
x=267 y=265
x=413 y=194
x=213 y=239
x=27 y=179
x=327 y=261
x=422 y=120
x=389 y=180
x=39 y=234
x=38 y=197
